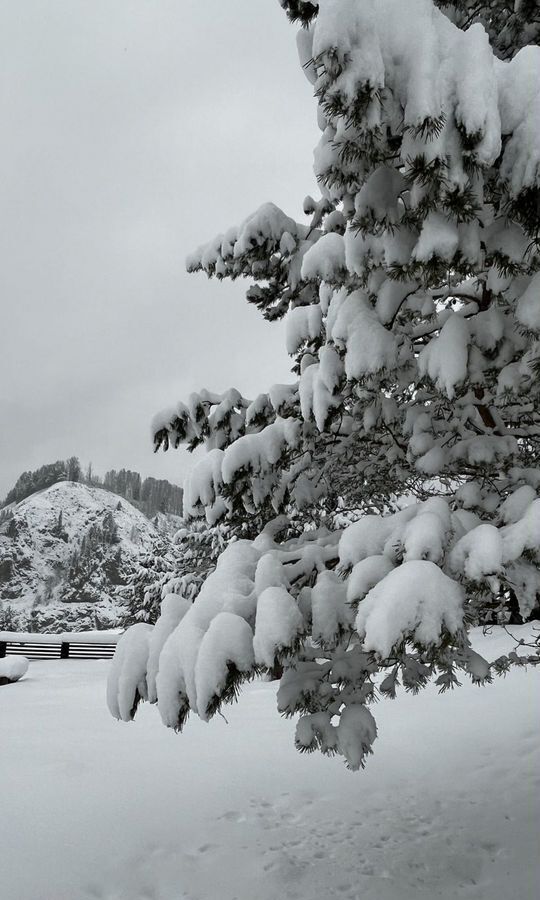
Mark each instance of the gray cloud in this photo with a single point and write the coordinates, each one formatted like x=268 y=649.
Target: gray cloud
x=133 y=131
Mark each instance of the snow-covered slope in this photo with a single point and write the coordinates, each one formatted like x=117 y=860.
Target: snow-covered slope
x=64 y=552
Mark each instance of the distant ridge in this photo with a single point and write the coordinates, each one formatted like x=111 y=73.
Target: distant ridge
x=149 y=495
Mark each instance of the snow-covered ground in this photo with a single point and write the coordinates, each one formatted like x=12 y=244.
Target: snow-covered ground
x=91 y=808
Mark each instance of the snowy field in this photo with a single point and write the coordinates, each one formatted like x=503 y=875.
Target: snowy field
x=89 y=808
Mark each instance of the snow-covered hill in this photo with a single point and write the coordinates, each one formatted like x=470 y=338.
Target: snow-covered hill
x=64 y=552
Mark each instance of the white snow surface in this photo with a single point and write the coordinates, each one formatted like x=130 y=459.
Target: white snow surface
x=127 y=681
x=325 y=260
x=416 y=599
x=356 y=732
x=478 y=553
x=365 y=575
x=445 y=357
x=93 y=809
x=173 y=610
x=228 y=589
x=228 y=642
x=425 y=536
x=329 y=609
x=13 y=667
x=438 y=237
x=373 y=535
x=278 y=622
x=369 y=346
x=303 y=323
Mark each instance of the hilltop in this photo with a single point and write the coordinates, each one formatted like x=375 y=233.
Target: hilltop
x=64 y=553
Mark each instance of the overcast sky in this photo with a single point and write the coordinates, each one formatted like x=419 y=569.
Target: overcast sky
x=133 y=131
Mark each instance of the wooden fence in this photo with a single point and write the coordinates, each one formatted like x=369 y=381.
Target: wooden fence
x=56 y=646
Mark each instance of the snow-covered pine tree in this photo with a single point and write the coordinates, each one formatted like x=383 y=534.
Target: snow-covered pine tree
x=510 y=26
x=412 y=304
x=141 y=596
x=178 y=568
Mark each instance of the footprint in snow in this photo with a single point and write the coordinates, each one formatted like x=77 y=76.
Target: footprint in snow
x=233 y=815
x=204 y=848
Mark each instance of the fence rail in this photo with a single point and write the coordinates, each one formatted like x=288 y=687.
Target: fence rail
x=50 y=646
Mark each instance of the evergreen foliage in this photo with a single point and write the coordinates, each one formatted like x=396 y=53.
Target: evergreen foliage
x=151 y=496
x=510 y=26
x=9 y=620
x=179 y=568
x=30 y=482
x=95 y=562
x=406 y=451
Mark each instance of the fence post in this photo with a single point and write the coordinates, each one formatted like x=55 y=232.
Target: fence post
x=3 y=648
x=64 y=650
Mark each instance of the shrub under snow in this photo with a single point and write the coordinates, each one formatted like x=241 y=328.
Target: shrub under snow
x=12 y=668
